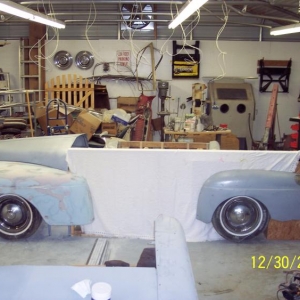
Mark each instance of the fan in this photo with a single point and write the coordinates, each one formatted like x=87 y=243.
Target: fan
x=136 y=14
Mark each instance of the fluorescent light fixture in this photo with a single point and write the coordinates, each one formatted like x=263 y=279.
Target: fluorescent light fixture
x=187 y=10
x=48 y=21
x=285 y=29
x=29 y=14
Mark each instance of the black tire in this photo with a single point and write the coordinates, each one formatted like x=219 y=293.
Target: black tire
x=240 y=218
x=13 y=131
x=18 y=218
x=15 y=120
x=18 y=125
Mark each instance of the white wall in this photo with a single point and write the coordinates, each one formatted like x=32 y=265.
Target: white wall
x=240 y=61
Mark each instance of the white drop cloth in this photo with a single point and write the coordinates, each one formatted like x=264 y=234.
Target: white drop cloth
x=132 y=187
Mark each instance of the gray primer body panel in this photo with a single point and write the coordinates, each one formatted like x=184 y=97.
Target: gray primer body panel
x=172 y=279
x=278 y=191
x=50 y=151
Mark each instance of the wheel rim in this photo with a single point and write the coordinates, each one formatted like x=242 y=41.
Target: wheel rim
x=15 y=215
x=241 y=216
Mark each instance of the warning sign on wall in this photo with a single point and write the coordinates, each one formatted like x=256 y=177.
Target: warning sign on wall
x=123 y=60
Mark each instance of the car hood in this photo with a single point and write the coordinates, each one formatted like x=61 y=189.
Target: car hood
x=50 y=151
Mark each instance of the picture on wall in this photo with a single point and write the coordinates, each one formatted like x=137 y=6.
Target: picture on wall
x=185 y=65
x=185 y=68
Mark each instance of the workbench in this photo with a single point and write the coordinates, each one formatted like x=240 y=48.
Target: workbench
x=175 y=135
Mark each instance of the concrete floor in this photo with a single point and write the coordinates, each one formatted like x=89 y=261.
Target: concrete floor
x=222 y=270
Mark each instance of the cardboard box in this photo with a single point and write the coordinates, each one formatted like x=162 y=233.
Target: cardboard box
x=111 y=128
x=86 y=122
x=204 y=138
x=41 y=116
x=229 y=142
x=127 y=103
x=283 y=230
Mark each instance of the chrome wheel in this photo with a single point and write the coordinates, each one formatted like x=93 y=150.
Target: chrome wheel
x=240 y=218
x=18 y=218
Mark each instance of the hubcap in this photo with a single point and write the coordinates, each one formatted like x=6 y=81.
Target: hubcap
x=241 y=216
x=11 y=214
x=15 y=214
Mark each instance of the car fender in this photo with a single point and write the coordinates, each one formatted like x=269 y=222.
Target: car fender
x=278 y=191
x=62 y=198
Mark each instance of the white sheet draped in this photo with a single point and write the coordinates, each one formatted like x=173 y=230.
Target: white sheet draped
x=131 y=188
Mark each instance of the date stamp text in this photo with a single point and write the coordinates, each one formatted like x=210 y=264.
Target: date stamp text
x=276 y=262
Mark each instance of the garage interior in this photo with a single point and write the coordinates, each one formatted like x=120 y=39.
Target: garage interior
x=163 y=110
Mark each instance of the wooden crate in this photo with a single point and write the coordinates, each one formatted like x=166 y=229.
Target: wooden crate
x=161 y=145
x=127 y=103
x=229 y=142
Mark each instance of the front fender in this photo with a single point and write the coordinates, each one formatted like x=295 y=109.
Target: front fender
x=275 y=189
x=62 y=198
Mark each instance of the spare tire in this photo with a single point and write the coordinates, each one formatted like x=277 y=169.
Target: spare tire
x=18 y=125
x=15 y=120
x=14 y=131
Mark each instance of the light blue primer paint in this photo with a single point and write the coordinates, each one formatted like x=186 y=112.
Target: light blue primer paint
x=62 y=198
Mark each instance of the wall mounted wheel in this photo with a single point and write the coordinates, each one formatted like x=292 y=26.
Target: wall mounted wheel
x=240 y=218
x=18 y=218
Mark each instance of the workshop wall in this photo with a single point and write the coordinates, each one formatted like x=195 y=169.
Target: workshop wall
x=240 y=60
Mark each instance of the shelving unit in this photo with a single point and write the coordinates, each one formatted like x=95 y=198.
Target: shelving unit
x=30 y=96
x=274 y=71
x=5 y=86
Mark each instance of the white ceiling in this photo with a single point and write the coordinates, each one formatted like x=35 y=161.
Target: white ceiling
x=247 y=20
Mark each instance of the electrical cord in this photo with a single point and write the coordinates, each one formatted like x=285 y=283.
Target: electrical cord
x=184 y=36
x=89 y=25
x=290 y=289
x=56 y=35
x=222 y=54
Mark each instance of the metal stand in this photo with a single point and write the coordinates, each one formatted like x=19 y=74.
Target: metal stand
x=163 y=87
x=57 y=129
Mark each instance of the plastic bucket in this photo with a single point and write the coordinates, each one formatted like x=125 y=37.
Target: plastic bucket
x=101 y=291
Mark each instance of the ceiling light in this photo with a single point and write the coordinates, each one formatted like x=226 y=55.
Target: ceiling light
x=285 y=29
x=29 y=14
x=187 y=10
x=48 y=21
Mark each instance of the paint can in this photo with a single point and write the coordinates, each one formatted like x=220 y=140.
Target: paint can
x=178 y=123
x=101 y=291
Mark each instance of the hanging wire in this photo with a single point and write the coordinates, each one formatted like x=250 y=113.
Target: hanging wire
x=89 y=25
x=221 y=55
x=35 y=58
x=194 y=24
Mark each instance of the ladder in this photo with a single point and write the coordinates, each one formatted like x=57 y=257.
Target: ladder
x=30 y=67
